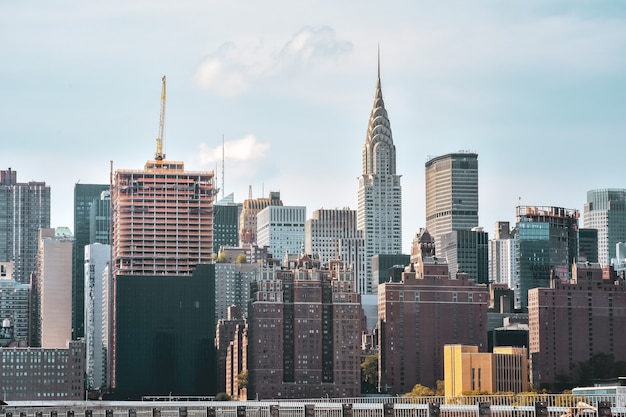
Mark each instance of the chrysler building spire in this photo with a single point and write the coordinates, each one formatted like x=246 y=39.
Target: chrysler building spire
x=379 y=213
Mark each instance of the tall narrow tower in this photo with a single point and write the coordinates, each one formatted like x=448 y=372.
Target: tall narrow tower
x=379 y=212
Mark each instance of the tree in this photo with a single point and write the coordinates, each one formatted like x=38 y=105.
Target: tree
x=369 y=374
x=241 y=259
x=441 y=388
x=221 y=257
x=222 y=396
x=420 y=390
x=242 y=379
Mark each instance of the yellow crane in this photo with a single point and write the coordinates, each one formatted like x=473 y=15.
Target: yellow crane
x=159 y=155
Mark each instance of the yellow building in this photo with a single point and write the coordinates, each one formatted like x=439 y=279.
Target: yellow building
x=466 y=369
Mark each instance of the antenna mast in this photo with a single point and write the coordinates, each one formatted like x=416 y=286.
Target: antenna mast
x=159 y=155
x=223 y=158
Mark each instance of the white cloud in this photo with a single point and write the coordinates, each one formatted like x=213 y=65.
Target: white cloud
x=238 y=150
x=236 y=67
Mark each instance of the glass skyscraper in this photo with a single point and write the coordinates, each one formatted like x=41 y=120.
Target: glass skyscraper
x=605 y=210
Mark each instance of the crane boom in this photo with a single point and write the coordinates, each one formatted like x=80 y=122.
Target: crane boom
x=159 y=155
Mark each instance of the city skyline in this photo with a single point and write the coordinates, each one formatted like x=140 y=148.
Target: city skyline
x=535 y=89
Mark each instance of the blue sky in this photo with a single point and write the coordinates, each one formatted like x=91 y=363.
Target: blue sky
x=536 y=88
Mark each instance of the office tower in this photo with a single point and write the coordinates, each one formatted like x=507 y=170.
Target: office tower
x=588 y=245
x=226 y=223
x=332 y=234
x=569 y=323
x=14 y=303
x=52 y=312
x=420 y=314
x=304 y=333
x=24 y=209
x=467 y=369
x=100 y=219
x=467 y=251
x=43 y=374
x=451 y=194
x=85 y=195
x=97 y=257
x=247 y=217
x=379 y=213
x=162 y=336
x=546 y=239
x=232 y=286
x=281 y=228
x=501 y=255
x=605 y=210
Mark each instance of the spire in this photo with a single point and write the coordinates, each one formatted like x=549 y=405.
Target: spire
x=379 y=152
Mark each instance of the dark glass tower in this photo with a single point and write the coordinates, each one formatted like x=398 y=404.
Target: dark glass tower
x=225 y=223
x=85 y=195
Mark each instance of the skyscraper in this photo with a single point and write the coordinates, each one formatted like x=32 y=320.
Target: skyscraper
x=85 y=195
x=281 y=228
x=226 y=223
x=605 y=210
x=379 y=213
x=24 y=209
x=451 y=194
x=247 y=217
x=546 y=241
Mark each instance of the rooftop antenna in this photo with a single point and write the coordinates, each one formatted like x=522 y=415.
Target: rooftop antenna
x=159 y=155
x=250 y=192
x=223 y=159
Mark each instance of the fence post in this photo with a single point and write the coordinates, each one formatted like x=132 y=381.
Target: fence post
x=274 y=410
x=433 y=410
x=541 y=409
x=484 y=409
x=346 y=410
x=604 y=409
x=309 y=410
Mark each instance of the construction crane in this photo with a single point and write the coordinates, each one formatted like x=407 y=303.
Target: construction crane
x=159 y=155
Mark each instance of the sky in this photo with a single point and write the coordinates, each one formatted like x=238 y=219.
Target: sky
x=537 y=88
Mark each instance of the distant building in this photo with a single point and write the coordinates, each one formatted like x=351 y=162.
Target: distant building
x=43 y=374
x=232 y=286
x=52 y=312
x=546 y=240
x=467 y=251
x=421 y=314
x=379 y=214
x=332 y=234
x=304 y=334
x=247 y=217
x=85 y=195
x=570 y=322
x=14 y=302
x=226 y=223
x=281 y=229
x=588 y=245
x=605 y=210
x=451 y=194
x=466 y=369
x=228 y=330
x=24 y=209
x=97 y=258
x=386 y=266
x=501 y=256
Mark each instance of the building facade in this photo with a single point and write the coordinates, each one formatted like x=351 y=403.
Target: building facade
x=451 y=194
x=379 y=212
x=232 y=286
x=24 y=209
x=304 y=334
x=546 y=239
x=14 y=303
x=226 y=223
x=85 y=195
x=570 y=322
x=467 y=251
x=466 y=369
x=423 y=312
x=501 y=256
x=332 y=234
x=53 y=282
x=161 y=339
x=281 y=229
x=40 y=374
x=605 y=210
x=247 y=217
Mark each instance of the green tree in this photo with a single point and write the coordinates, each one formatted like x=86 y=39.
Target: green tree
x=242 y=379
x=221 y=257
x=369 y=374
x=420 y=390
x=242 y=258
x=222 y=396
x=441 y=388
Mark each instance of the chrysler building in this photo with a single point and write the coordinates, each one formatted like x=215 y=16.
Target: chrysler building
x=380 y=195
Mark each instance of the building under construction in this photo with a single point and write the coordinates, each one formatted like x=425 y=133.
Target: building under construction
x=163 y=283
